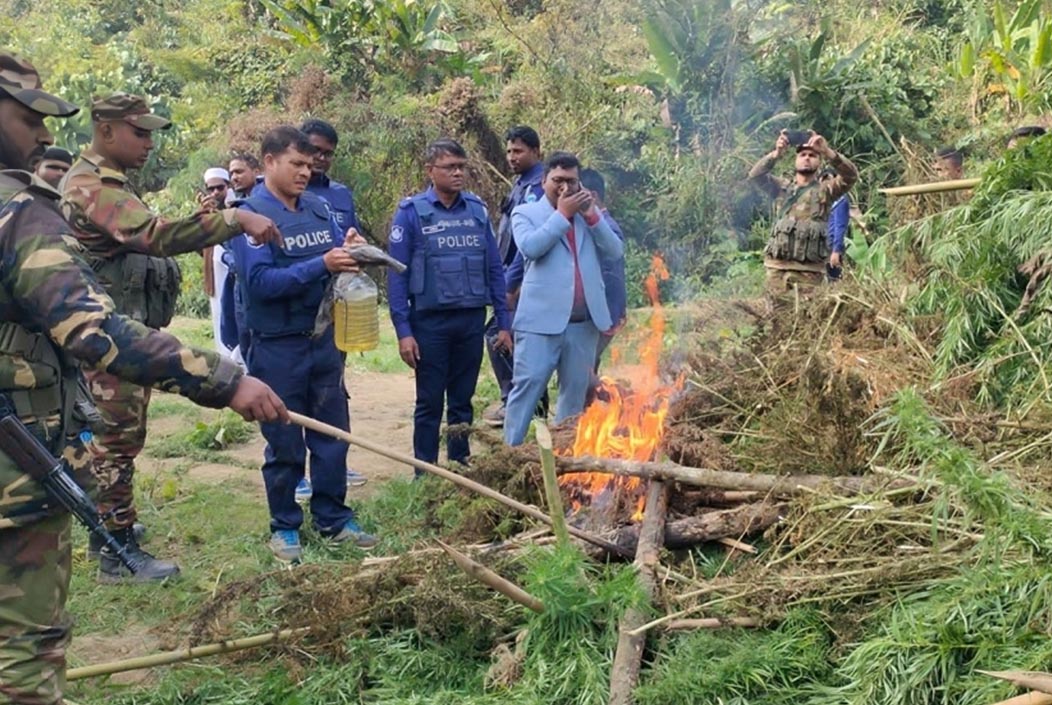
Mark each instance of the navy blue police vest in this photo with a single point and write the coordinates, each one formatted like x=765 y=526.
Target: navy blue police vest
x=338 y=197
x=449 y=268
x=306 y=233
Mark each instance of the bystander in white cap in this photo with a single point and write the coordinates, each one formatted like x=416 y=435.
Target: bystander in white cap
x=217 y=172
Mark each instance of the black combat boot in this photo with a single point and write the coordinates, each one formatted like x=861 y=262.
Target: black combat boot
x=95 y=542
x=111 y=570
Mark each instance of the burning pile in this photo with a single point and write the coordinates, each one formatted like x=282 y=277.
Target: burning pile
x=626 y=422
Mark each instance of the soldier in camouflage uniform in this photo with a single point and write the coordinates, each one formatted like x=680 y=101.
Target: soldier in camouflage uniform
x=130 y=248
x=797 y=253
x=54 y=317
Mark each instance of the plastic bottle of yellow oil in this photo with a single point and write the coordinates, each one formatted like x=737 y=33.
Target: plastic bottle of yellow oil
x=355 y=313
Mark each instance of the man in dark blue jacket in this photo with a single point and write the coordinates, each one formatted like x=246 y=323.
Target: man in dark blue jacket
x=523 y=153
x=839 y=220
x=438 y=305
x=341 y=204
x=282 y=288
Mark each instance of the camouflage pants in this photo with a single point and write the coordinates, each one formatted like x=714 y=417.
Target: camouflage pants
x=781 y=285
x=34 y=626
x=122 y=406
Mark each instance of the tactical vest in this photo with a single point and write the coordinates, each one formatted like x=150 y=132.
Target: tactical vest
x=143 y=287
x=35 y=376
x=449 y=267
x=521 y=193
x=338 y=197
x=305 y=233
x=800 y=231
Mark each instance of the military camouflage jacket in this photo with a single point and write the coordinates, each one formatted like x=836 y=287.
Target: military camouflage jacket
x=48 y=289
x=799 y=235
x=109 y=218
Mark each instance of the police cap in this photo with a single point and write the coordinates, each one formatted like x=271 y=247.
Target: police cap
x=20 y=81
x=132 y=109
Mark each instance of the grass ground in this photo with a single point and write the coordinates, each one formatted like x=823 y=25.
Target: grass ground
x=200 y=493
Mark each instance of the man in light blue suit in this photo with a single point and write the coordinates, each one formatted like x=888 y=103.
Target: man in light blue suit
x=562 y=305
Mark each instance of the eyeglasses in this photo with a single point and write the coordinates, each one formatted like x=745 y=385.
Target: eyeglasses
x=450 y=168
x=217 y=187
x=560 y=180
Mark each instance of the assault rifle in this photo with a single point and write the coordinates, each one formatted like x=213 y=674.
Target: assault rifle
x=34 y=459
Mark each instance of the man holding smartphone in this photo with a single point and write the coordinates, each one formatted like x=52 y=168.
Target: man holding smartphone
x=798 y=251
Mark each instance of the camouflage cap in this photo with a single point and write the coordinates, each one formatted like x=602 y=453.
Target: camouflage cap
x=130 y=108
x=19 y=80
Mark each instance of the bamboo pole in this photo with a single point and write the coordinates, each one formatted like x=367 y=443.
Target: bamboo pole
x=530 y=511
x=492 y=580
x=551 y=483
x=712 y=623
x=181 y=655
x=624 y=674
x=933 y=187
x=780 y=486
x=1032 y=698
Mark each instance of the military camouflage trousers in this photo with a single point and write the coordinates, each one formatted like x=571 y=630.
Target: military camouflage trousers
x=783 y=285
x=34 y=626
x=122 y=406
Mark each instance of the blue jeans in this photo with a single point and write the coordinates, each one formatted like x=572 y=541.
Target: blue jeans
x=450 y=345
x=570 y=353
x=308 y=376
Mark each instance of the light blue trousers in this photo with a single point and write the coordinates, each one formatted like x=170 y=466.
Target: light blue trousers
x=570 y=353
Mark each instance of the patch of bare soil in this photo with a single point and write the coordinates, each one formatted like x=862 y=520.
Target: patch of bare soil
x=134 y=640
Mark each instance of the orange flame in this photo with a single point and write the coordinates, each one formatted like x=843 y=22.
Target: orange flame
x=630 y=423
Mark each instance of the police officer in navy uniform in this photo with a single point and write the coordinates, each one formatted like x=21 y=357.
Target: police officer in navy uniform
x=340 y=199
x=282 y=288
x=438 y=305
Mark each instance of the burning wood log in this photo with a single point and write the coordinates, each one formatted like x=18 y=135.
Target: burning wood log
x=689 y=531
x=624 y=674
x=779 y=486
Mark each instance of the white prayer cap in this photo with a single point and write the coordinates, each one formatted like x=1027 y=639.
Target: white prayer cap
x=217 y=172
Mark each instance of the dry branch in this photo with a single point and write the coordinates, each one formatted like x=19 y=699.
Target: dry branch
x=624 y=674
x=551 y=483
x=1033 y=698
x=1035 y=680
x=780 y=486
x=487 y=577
x=180 y=655
x=712 y=623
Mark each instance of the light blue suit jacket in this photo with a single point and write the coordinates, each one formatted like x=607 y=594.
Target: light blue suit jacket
x=546 y=299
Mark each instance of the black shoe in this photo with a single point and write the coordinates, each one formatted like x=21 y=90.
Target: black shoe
x=95 y=541
x=148 y=568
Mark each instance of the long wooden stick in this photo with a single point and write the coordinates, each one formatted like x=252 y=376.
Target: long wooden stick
x=624 y=674
x=712 y=623
x=933 y=187
x=530 y=511
x=551 y=483
x=181 y=655
x=780 y=486
x=491 y=579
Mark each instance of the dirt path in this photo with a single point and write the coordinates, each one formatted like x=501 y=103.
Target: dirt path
x=381 y=410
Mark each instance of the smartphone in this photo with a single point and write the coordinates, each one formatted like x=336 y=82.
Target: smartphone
x=798 y=138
